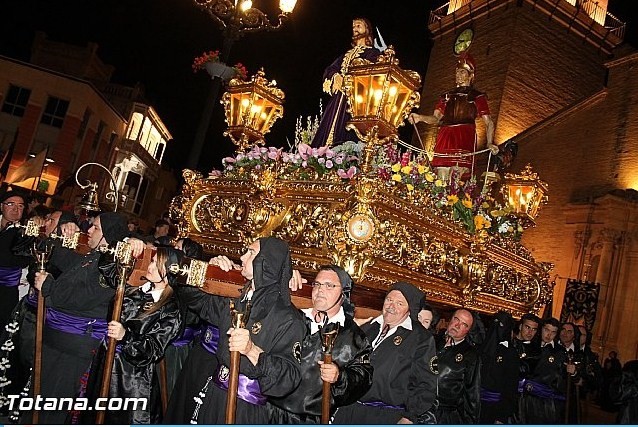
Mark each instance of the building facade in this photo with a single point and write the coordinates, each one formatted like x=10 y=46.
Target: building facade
x=559 y=81
x=63 y=102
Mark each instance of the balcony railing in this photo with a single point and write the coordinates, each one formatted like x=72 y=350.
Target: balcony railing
x=134 y=147
x=591 y=7
x=604 y=18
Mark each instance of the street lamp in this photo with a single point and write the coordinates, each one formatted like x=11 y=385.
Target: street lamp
x=235 y=18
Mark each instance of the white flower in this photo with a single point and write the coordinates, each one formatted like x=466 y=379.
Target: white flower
x=503 y=228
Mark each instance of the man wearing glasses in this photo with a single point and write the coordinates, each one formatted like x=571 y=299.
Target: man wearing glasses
x=350 y=373
x=11 y=265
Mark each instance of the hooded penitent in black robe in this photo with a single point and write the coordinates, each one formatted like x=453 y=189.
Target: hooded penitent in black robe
x=275 y=326
x=459 y=382
x=543 y=395
x=11 y=265
x=200 y=364
x=404 y=380
x=24 y=316
x=82 y=294
x=499 y=372
x=351 y=353
x=177 y=352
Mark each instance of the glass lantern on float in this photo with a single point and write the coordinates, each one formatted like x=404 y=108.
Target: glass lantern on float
x=525 y=193
x=380 y=97
x=251 y=109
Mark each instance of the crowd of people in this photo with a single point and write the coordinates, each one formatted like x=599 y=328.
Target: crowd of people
x=174 y=343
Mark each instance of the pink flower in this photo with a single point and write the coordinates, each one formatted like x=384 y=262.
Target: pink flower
x=229 y=160
x=274 y=154
x=304 y=151
x=347 y=175
x=405 y=159
x=321 y=151
x=215 y=173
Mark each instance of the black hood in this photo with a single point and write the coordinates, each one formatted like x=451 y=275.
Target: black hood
x=272 y=270
x=413 y=295
x=114 y=227
x=346 y=286
x=500 y=330
x=192 y=249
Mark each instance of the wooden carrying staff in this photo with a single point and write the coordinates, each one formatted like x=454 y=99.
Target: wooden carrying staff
x=124 y=259
x=42 y=257
x=328 y=337
x=238 y=320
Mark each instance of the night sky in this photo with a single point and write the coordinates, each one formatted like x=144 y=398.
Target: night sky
x=154 y=42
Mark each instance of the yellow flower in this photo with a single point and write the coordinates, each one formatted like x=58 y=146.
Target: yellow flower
x=438 y=182
x=485 y=205
x=410 y=187
x=429 y=177
x=452 y=199
x=480 y=222
x=396 y=167
x=396 y=177
x=467 y=202
x=422 y=169
x=406 y=170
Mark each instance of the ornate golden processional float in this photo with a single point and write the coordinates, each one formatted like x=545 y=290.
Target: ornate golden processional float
x=381 y=215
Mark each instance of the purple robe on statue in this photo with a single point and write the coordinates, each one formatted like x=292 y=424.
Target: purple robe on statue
x=332 y=128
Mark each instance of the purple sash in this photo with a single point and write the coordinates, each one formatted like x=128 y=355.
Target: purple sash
x=382 y=405
x=32 y=298
x=490 y=396
x=210 y=338
x=10 y=276
x=538 y=390
x=75 y=325
x=189 y=335
x=247 y=390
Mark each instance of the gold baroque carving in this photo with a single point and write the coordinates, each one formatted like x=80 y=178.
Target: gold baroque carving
x=409 y=240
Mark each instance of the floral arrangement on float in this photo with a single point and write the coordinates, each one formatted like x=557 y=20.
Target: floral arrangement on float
x=407 y=174
x=210 y=62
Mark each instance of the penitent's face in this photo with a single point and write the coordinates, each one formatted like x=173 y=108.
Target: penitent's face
x=13 y=208
x=460 y=324
x=247 y=259
x=326 y=290
x=95 y=234
x=425 y=317
x=395 y=308
x=549 y=332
